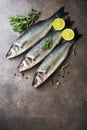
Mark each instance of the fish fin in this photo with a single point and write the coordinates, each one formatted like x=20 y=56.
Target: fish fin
x=77 y=34
x=68 y=22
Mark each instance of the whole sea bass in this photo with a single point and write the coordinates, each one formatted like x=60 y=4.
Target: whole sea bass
x=36 y=54
x=34 y=34
x=52 y=62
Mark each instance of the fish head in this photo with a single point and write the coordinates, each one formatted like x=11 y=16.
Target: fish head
x=25 y=64
x=13 y=51
x=39 y=78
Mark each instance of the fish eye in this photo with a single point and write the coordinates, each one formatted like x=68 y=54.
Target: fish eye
x=30 y=59
x=40 y=74
x=34 y=59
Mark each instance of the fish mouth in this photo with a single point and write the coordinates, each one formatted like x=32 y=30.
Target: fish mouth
x=9 y=53
x=25 y=64
x=12 y=52
x=38 y=79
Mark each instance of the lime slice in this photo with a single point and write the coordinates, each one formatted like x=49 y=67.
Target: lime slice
x=68 y=34
x=58 y=24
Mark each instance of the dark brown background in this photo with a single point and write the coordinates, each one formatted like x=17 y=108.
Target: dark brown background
x=47 y=108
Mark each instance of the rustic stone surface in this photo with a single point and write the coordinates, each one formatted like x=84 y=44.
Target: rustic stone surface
x=49 y=107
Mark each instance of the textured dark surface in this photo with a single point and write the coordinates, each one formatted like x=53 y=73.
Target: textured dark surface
x=47 y=108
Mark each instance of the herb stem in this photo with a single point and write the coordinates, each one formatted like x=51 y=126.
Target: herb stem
x=74 y=50
x=48 y=44
x=62 y=69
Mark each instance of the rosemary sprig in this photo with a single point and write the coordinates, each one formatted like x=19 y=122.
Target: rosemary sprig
x=48 y=44
x=62 y=69
x=74 y=50
x=21 y=23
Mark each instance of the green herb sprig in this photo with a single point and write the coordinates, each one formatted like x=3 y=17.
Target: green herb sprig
x=21 y=23
x=48 y=44
x=62 y=69
x=74 y=50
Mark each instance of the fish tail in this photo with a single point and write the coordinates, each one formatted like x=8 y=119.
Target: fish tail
x=77 y=34
x=61 y=13
x=68 y=22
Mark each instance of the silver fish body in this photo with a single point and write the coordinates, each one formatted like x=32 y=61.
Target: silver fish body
x=36 y=54
x=51 y=63
x=34 y=34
